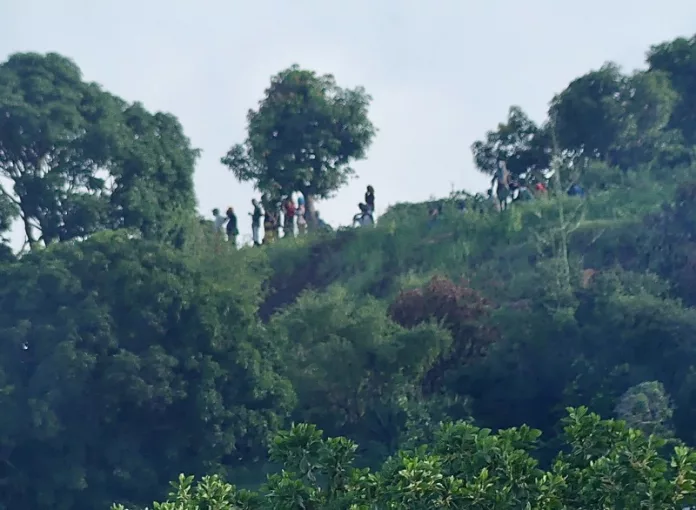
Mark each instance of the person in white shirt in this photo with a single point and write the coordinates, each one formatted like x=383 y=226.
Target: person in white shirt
x=364 y=217
x=300 y=213
x=218 y=220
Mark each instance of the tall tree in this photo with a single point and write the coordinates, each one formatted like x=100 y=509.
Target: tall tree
x=605 y=112
x=152 y=174
x=74 y=152
x=122 y=362
x=303 y=136
x=519 y=142
x=678 y=59
x=588 y=112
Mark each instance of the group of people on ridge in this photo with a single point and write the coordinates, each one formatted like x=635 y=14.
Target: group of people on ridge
x=285 y=213
x=506 y=186
x=505 y=189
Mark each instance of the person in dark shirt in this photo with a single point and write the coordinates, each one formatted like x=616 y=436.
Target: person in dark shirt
x=576 y=190
x=256 y=222
x=370 y=199
x=232 y=231
x=502 y=181
x=289 y=217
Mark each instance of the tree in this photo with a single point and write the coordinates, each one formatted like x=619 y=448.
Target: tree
x=588 y=113
x=121 y=364
x=81 y=160
x=647 y=407
x=303 y=137
x=351 y=365
x=611 y=116
x=678 y=59
x=152 y=175
x=519 y=142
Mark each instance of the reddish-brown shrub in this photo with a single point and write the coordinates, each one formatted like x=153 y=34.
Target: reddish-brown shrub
x=460 y=309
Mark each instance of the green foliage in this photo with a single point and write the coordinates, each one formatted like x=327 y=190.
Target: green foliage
x=80 y=160
x=678 y=59
x=120 y=362
x=646 y=407
x=153 y=175
x=519 y=142
x=353 y=368
x=303 y=137
x=605 y=111
x=607 y=465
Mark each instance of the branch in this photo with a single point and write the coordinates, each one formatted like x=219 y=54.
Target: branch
x=4 y=193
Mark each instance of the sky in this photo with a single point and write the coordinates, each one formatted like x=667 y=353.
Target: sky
x=441 y=73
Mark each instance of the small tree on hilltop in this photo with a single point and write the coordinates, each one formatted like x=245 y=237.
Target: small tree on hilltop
x=303 y=137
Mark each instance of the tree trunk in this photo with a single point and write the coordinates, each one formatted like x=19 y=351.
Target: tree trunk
x=310 y=211
x=29 y=232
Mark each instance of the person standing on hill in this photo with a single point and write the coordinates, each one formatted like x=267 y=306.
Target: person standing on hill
x=300 y=213
x=502 y=179
x=370 y=200
x=270 y=226
x=218 y=220
x=540 y=190
x=524 y=194
x=289 y=218
x=232 y=231
x=256 y=222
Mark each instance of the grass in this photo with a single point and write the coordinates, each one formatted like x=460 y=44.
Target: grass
x=405 y=249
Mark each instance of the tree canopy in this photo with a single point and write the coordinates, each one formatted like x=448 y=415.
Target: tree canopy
x=524 y=146
x=119 y=361
x=304 y=135
x=79 y=160
x=624 y=120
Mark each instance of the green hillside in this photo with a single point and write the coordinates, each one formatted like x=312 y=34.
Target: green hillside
x=449 y=361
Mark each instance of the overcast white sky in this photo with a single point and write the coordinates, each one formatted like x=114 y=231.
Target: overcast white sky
x=441 y=72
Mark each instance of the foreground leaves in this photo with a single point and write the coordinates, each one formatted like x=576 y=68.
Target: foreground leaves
x=608 y=466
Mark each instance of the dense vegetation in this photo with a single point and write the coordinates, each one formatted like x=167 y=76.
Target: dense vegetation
x=137 y=345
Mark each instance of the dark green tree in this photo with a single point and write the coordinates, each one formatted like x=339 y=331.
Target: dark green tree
x=303 y=137
x=678 y=59
x=80 y=160
x=611 y=116
x=351 y=365
x=152 y=175
x=519 y=142
x=121 y=364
